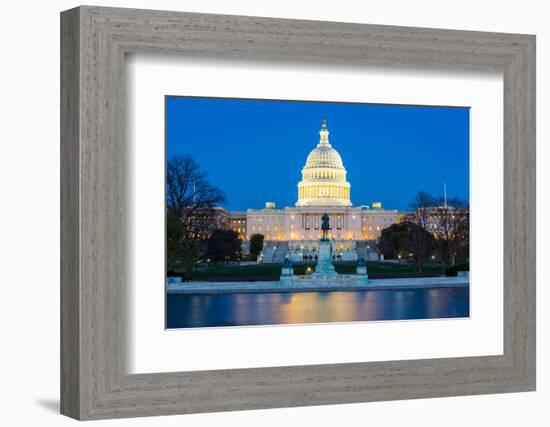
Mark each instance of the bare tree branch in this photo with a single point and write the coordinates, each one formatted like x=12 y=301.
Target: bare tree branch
x=420 y=216
x=451 y=227
x=191 y=199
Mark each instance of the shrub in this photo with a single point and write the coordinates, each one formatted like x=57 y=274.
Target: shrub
x=256 y=244
x=463 y=266
x=451 y=272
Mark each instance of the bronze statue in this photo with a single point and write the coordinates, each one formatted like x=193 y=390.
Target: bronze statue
x=325 y=225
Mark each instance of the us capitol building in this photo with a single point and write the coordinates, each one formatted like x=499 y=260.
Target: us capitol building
x=296 y=230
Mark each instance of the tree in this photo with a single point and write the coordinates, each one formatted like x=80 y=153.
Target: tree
x=256 y=244
x=223 y=246
x=178 y=250
x=421 y=240
x=191 y=253
x=190 y=214
x=451 y=220
x=174 y=233
x=191 y=197
x=421 y=245
x=402 y=239
x=393 y=240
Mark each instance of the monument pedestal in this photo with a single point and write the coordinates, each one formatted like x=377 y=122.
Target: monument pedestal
x=324 y=267
x=361 y=275
x=287 y=273
x=324 y=277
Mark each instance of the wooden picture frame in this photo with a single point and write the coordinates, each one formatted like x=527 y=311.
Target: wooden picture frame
x=94 y=382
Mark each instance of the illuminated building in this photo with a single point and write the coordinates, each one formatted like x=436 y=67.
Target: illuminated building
x=323 y=189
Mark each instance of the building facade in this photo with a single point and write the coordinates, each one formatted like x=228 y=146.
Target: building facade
x=237 y=223
x=304 y=223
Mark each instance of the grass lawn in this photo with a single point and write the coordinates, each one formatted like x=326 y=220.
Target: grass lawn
x=272 y=272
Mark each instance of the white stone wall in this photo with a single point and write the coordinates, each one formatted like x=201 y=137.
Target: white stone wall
x=373 y=221
x=269 y=222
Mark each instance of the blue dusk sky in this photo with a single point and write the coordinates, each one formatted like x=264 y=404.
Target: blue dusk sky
x=254 y=150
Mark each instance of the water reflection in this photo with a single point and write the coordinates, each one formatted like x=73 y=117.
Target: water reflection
x=191 y=311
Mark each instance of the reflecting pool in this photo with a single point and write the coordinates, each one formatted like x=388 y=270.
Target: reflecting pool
x=194 y=311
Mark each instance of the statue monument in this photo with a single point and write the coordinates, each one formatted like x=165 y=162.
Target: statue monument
x=324 y=275
x=325 y=226
x=324 y=268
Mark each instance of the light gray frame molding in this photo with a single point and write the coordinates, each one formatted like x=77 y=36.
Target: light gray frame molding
x=94 y=41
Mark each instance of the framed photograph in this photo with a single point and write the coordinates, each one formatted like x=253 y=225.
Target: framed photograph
x=312 y=254
x=262 y=213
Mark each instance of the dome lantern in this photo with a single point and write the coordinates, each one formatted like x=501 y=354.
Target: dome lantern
x=323 y=133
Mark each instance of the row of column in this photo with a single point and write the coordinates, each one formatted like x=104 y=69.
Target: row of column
x=323 y=191
x=338 y=221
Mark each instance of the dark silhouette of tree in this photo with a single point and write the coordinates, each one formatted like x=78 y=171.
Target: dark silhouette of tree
x=392 y=240
x=223 y=246
x=256 y=244
x=402 y=239
x=451 y=228
x=191 y=253
x=174 y=234
x=191 y=197
x=420 y=239
x=448 y=224
x=191 y=215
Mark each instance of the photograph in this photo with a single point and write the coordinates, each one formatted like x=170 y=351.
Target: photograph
x=267 y=212
x=292 y=212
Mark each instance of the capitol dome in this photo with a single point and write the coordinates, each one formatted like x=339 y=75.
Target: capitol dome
x=324 y=176
x=324 y=156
